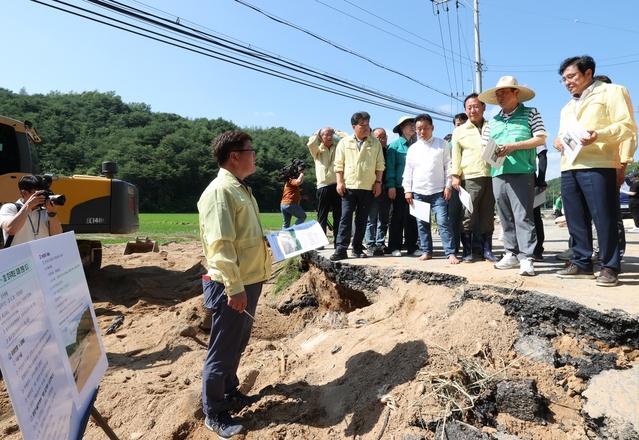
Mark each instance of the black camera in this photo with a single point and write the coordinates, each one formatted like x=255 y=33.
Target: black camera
x=291 y=171
x=44 y=184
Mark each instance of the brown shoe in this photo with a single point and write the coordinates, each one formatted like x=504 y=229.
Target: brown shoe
x=574 y=271
x=607 y=278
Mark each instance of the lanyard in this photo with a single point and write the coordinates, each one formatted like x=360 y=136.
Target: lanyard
x=33 y=229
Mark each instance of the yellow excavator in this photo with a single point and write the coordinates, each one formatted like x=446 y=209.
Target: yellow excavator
x=94 y=205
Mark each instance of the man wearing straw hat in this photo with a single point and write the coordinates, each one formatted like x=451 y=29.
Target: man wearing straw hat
x=517 y=130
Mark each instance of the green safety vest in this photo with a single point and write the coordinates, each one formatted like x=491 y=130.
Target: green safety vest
x=515 y=129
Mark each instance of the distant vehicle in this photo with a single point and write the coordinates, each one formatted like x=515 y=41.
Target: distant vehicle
x=623 y=203
x=94 y=204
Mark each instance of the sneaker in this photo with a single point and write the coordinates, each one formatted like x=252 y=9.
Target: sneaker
x=607 y=278
x=238 y=401
x=538 y=258
x=223 y=425
x=565 y=255
x=508 y=261
x=396 y=253
x=418 y=253
x=379 y=251
x=574 y=271
x=526 y=267
x=359 y=254
x=339 y=255
x=370 y=251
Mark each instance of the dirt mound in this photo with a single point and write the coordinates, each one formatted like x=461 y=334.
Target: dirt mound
x=327 y=363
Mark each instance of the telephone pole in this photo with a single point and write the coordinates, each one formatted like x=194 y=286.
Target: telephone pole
x=478 y=65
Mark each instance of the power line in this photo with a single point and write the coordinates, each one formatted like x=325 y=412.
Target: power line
x=174 y=26
x=338 y=46
x=359 y=20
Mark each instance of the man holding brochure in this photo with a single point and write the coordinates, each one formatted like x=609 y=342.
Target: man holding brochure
x=592 y=127
x=516 y=131
x=239 y=263
x=472 y=173
x=427 y=181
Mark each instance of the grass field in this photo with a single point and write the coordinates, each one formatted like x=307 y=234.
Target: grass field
x=179 y=227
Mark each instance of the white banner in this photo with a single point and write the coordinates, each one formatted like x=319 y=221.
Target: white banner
x=51 y=352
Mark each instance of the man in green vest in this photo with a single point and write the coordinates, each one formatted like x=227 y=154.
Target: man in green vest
x=517 y=130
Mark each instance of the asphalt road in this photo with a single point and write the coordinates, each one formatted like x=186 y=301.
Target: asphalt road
x=625 y=296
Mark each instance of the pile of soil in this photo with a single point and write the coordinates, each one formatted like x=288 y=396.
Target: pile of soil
x=414 y=359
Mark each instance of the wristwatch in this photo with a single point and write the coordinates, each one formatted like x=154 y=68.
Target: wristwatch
x=52 y=214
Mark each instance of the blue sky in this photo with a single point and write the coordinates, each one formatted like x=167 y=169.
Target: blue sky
x=65 y=53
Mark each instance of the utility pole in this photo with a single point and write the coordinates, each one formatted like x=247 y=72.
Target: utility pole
x=478 y=65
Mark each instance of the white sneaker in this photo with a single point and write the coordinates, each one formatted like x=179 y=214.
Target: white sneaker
x=508 y=261
x=396 y=253
x=526 y=267
x=418 y=253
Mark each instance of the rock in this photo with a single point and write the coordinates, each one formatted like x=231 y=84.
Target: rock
x=249 y=376
x=536 y=348
x=187 y=330
x=502 y=436
x=611 y=409
x=455 y=430
x=520 y=399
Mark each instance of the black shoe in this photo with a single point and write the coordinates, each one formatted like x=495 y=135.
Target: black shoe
x=538 y=258
x=386 y=250
x=223 y=425
x=379 y=251
x=239 y=401
x=339 y=255
x=359 y=254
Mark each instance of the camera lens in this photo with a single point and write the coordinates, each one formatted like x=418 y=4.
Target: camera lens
x=58 y=199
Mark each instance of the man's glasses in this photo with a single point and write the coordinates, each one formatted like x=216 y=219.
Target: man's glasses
x=246 y=149
x=567 y=78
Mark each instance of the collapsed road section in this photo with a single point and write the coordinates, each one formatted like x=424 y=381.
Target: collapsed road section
x=565 y=360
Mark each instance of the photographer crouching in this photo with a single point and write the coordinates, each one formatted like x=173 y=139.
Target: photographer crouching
x=290 y=206
x=34 y=215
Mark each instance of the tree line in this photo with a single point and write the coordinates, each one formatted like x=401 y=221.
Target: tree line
x=167 y=156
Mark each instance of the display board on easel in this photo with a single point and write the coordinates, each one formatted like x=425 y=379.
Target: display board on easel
x=51 y=353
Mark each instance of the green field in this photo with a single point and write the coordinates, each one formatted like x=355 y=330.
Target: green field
x=179 y=227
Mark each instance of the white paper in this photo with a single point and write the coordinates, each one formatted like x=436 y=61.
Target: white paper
x=540 y=199
x=465 y=199
x=571 y=140
x=490 y=154
x=51 y=353
x=296 y=240
x=420 y=210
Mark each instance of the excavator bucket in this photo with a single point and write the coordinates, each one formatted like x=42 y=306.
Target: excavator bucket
x=141 y=246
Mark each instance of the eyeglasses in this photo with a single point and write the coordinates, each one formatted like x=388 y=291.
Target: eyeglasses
x=565 y=79
x=246 y=149
x=503 y=92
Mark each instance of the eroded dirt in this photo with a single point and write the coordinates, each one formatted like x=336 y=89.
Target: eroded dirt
x=340 y=367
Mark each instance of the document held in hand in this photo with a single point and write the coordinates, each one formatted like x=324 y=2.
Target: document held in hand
x=490 y=154
x=420 y=210
x=296 y=240
x=571 y=140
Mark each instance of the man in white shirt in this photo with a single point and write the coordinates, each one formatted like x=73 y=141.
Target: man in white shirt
x=31 y=217
x=427 y=179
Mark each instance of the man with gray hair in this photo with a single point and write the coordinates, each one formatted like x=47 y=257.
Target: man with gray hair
x=322 y=147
